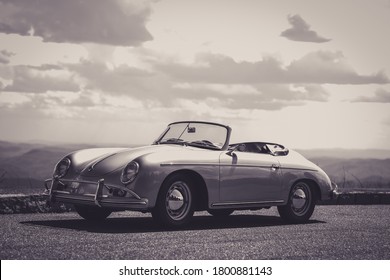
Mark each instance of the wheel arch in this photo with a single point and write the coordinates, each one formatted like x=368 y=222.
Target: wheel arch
x=312 y=184
x=198 y=186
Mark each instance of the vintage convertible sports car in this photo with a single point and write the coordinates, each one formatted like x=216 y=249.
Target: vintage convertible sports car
x=190 y=167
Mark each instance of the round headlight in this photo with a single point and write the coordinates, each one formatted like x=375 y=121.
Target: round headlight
x=62 y=167
x=130 y=172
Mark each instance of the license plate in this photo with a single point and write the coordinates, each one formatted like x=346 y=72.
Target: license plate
x=74 y=185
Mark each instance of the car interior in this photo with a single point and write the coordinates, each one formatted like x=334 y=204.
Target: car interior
x=260 y=148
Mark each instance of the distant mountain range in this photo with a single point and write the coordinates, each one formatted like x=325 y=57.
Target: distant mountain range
x=346 y=153
x=24 y=166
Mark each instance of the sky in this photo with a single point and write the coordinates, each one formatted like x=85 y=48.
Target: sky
x=306 y=74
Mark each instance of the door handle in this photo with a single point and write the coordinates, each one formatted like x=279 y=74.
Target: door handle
x=275 y=167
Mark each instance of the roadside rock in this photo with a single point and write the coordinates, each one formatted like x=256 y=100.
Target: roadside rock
x=31 y=204
x=359 y=198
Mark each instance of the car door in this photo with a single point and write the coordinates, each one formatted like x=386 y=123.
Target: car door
x=249 y=177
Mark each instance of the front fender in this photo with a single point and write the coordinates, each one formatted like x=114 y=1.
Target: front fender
x=319 y=177
x=155 y=168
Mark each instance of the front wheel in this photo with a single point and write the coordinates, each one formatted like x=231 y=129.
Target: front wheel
x=92 y=213
x=174 y=205
x=300 y=205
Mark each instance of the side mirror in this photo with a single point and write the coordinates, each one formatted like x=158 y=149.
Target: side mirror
x=230 y=152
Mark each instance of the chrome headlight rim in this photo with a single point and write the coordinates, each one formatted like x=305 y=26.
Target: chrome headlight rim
x=67 y=163
x=125 y=178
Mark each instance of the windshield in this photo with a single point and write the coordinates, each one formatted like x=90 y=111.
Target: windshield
x=198 y=134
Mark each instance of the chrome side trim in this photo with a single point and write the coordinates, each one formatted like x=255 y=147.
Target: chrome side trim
x=303 y=169
x=246 y=203
x=186 y=164
x=214 y=165
x=271 y=166
x=131 y=202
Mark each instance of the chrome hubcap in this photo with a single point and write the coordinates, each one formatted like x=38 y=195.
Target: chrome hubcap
x=300 y=199
x=177 y=200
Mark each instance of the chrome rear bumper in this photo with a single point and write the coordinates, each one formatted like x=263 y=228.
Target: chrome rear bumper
x=334 y=192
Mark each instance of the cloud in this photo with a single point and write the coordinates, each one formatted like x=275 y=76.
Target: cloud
x=125 y=87
x=149 y=86
x=5 y=56
x=332 y=68
x=52 y=104
x=300 y=31
x=243 y=103
x=381 y=96
x=386 y=121
x=90 y=21
x=78 y=100
x=32 y=79
x=215 y=80
x=213 y=68
x=261 y=97
x=314 y=68
x=295 y=92
x=121 y=80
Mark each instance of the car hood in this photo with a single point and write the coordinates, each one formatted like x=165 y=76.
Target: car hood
x=97 y=162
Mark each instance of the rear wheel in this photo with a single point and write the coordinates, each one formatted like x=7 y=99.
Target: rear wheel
x=300 y=205
x=92 y=213
x=174 y=205
x=220 y=212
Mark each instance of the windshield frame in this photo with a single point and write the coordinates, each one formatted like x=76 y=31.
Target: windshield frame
x=223 y=148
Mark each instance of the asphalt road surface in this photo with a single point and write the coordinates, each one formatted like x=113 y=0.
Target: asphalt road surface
x=335 y=232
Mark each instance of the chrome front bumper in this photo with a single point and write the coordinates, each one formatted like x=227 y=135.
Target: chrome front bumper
x=55 y=194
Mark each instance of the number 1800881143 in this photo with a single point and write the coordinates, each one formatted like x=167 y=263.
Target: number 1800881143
x=266 y=271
